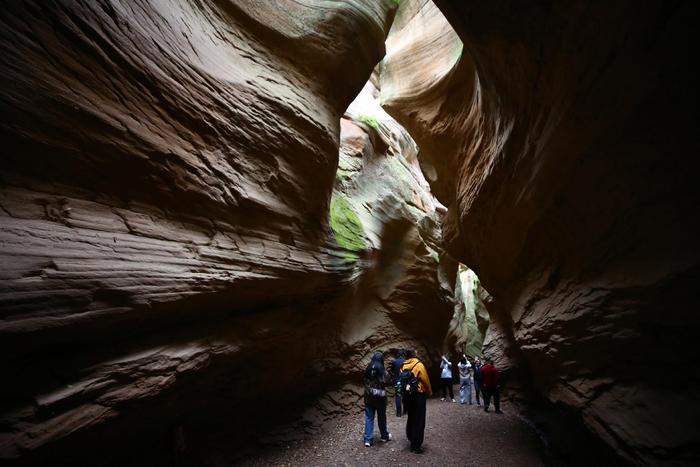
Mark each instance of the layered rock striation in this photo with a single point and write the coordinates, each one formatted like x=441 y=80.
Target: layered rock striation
x=560 y=139
x=170 y=255
x=404 y=284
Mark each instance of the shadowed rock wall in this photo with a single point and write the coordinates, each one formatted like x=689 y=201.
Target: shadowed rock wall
x=167 y=264
x=561 y=139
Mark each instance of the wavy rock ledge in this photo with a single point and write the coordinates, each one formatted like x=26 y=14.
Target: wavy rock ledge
x=180 y=238
x=559 y=139
x=167 y=172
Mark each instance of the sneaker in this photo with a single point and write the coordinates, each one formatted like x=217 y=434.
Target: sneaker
x=368 y=444
x=387 y=439
x=443 y=399
x=498 y=411
x=417 y=450
x=454 y=400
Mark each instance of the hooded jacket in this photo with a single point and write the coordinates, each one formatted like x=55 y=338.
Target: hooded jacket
x=376 y=380
x=418 y=369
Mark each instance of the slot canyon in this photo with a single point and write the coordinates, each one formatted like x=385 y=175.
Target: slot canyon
x=213 y=212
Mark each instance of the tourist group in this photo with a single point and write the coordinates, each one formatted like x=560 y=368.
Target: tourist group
x=409 y=377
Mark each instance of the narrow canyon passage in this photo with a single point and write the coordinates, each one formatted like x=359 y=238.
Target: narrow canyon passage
x=213 y=212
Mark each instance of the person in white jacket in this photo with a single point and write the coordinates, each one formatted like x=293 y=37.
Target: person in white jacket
x=446 y=378
x=465 y=379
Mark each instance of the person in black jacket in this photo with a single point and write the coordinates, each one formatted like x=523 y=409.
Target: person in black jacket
x=376 y=380
x=395 y=372
x=477 y=379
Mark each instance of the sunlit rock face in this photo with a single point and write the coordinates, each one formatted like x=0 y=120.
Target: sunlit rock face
x=399 y=283
x=425 y=81
x=471 y=318
x=403 y=288
x=166 y=260
x=387 y=221
x=560 y=140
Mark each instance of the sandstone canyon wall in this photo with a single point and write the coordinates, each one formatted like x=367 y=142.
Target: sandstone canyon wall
x=167 y=261
x=471 y=318
x=562 y=139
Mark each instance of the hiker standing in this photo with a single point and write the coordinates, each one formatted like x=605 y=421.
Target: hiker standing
x=492 y=379
x=415 y=402
x=446 y=378
x=477 y=379
x=376 y=381
x=465 y=379
x=395 y=372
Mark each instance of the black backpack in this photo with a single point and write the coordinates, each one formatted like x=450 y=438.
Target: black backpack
x=408 y=382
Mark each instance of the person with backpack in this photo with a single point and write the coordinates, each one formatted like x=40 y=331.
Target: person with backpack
x=477 y=380
x=395 y=373
x=446 y=378
x=465 y=379
x=415 y=388
x=491 y=378
x=376 y=381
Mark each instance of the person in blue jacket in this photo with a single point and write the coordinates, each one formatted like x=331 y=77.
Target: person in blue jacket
x=395 y=372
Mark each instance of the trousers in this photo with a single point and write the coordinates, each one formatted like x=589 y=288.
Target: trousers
x=369 y=422
x=447 y=386
x=415 y=425
x=494 y=393
x=465 y=385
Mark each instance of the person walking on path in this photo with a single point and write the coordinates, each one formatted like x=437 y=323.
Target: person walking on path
x=416 y=403
x=446 y=378
x=465 y=379
x=477 y=379
x=492 y=380
x=376 y=381
x=395 y=372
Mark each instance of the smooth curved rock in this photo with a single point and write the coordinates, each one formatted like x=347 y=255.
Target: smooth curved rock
x=470 y=319
x=165 y=184
x=561 y=141
x=425 y=81
x=402 y=299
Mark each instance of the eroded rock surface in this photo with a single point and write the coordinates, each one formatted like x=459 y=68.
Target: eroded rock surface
x=169 y=276
x=384 y=214
x=561 y=140
x=471 y=318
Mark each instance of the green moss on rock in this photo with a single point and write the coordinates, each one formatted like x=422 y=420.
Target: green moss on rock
x=346 y=225
x=369 y=120
x=342 y=175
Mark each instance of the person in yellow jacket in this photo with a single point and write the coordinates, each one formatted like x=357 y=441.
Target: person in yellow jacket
x=416 y=403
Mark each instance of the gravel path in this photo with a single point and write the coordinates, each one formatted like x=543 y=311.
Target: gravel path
x=455 y=435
